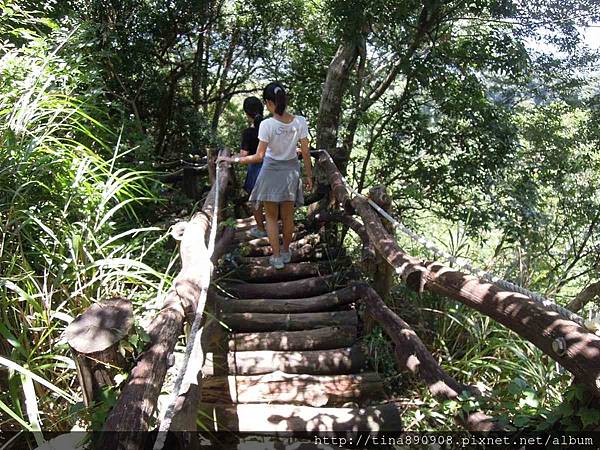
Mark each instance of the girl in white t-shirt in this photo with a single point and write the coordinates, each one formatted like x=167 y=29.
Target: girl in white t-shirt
x=279 y=186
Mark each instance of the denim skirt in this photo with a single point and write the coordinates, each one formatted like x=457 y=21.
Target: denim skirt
x=251 y=176
x=278 y=181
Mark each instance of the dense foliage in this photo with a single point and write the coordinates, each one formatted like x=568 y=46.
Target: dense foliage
x=480 y=117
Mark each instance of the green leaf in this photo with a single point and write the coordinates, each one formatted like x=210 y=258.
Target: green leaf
x=589 y=416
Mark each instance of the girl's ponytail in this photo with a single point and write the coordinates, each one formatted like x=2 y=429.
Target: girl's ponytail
x=257 y=120
x=254 y=108
x=276 y=93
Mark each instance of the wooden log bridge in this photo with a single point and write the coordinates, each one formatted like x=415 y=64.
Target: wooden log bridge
x=281 y=350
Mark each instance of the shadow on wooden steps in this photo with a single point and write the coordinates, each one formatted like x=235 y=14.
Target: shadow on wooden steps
x=287 y=357
x=306 y=287
x=334 y=300
x=261 y=322
x=289 y=418
x=283 y=388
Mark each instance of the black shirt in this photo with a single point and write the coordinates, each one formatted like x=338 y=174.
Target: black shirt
x=250 y=140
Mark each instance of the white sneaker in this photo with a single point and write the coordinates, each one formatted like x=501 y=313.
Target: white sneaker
x=286 y=257
x=257 y=233
x=276 y=262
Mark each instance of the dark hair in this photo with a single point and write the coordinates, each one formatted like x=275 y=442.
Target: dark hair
x=276 y=93
x=254 y=108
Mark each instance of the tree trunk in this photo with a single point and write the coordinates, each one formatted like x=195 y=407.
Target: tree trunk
x=585 y=296
x=166 y=113
x=330 y=106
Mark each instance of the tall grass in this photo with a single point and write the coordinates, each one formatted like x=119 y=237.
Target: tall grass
x=71 y=229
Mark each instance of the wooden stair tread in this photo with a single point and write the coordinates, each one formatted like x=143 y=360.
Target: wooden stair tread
x=263 y=322
x=291 y=361
x=283 y=388
x=318 y=339
x=318 y=362
x=308 y=287
x=305 y=253
x=291 y=271
x=323 y=302
x=261 y=246
x=280 y=418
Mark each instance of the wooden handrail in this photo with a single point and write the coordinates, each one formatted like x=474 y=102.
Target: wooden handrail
x=128 y=422
x=571 y=345
x=412 y=356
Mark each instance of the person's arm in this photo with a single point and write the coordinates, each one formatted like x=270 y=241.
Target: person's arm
x=307 y=163
x=248 y=159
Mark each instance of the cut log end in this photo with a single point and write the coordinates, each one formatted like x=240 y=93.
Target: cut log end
x=101 y=326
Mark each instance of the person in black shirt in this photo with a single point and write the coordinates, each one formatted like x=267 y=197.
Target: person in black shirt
x=253 y=108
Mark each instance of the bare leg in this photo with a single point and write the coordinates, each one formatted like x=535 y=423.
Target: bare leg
x=287 y=219
x=272 y=213
x=259 y=217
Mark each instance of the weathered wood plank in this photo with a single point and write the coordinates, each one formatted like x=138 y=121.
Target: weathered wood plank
x=324 y=302
x=279 y=418
x=307 y=252
x=317 y=362
x=261 y=247
x=292 y=271
x=309 y=287
x=282 y=388
x=244 y=235
x=250 y=322
x=318 y=339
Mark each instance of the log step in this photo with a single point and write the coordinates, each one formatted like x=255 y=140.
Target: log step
x=325 y=302
x=307 y=252
x=253 y=322
x=293 y=271
x=242 y=233
x=261 y=247
x=315 y=362
x=283 y=388
x=279 y=418
x=307 y=287
x=318 y=339
x=245 y=224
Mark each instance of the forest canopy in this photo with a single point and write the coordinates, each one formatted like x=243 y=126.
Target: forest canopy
x=480 y=117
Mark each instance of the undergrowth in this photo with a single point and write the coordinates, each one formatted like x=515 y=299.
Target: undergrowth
x=75 y=226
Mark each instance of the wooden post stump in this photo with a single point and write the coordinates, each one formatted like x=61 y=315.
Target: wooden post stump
x=383 y=276
x=94 y=338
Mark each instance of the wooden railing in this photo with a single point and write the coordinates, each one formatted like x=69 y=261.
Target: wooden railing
x=565 y=341
x=127 y=424
x=572 y=346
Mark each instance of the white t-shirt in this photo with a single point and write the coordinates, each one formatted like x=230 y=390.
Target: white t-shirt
x=282 y=138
